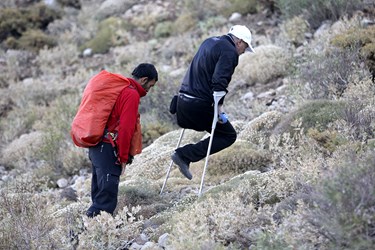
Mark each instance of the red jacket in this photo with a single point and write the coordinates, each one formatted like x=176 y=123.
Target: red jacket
x=125 y=114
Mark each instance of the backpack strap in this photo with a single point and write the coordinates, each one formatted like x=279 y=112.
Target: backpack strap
x=111 y=137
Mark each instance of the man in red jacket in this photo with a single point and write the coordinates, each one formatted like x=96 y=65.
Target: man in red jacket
x=107 y=166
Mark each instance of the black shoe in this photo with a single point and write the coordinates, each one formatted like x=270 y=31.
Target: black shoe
x=182 y=165
x=91 y=214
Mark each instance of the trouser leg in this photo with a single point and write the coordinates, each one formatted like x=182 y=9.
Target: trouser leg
x=105 y=179
x=198 y=115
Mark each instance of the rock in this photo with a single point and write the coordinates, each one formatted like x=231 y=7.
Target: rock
x=235 y=17
x=141 y=239
x=150 y=246
x=135 y=246
x=87 y=52
x=62 y=183
x=162 y=241
x=68 y=194
x=249 y=96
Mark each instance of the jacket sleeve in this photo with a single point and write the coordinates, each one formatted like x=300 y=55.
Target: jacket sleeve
x=128 y=110
x=224 y=70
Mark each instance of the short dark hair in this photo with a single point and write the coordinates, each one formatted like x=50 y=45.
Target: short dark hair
x=145 y=70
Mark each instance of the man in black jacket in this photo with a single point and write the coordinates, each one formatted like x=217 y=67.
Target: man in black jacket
x=210 y=71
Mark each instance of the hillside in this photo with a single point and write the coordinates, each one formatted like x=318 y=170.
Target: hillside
x=300 y=175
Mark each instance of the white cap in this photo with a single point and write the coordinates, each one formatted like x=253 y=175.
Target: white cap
x=243 y=33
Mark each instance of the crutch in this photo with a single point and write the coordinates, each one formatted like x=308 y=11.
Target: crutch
x=170 y=165
x=217 y=96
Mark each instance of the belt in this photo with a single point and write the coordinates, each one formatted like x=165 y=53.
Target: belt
x=188 y=96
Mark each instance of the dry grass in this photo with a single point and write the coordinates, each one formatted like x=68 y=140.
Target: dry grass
x=315 y=194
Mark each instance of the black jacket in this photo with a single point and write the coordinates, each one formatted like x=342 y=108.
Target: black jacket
x=211 y=68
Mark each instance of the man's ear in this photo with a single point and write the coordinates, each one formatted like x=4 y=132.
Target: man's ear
x=143 y=80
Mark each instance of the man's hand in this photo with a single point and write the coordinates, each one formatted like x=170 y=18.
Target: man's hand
x=222 y=118
x=130 y=160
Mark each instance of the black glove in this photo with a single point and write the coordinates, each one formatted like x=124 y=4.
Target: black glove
x=130 y=160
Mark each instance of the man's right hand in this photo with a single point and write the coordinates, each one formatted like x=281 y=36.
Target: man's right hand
x=130 y=160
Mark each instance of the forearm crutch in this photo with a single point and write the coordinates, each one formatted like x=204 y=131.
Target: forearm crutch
x=217 y=96
x=170 y=165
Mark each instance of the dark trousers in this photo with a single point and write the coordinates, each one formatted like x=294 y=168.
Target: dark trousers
x=198 y=114
x=105 y=178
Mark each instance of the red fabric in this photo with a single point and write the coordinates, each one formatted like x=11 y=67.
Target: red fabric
x=97 y=102
x=124 y=116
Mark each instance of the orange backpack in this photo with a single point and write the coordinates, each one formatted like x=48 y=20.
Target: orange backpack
x=98 y=100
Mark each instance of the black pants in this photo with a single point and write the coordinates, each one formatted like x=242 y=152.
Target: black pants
x=197 y=114
x=105 y=178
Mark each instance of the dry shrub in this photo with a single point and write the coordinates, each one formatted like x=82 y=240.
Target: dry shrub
x=232 y=213
x=25 y=218
x=184 y=22
x=344 y=211
x=258 y=130
x=327 y=139
x=56 y=124
x=328 y=74
x=362 y=38
x=237 y=159
x=108 y=232
x=338 y=212
x=318 y=11
x=170 y=52
x=147 y=15
x=359 y=114
x=131 y=55
x=22 y=152
x=19 y=121
x=294 y=30
x=58 y=61
x=154 y=160
x=110 y=8
x=268 y=63
x=19 y=65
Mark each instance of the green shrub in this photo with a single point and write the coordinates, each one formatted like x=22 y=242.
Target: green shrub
x=70 y=3
x=32 y=40
x=109 y=34
x=12 y=23
x=27 y=24
x=163 y=29
x=237 y=159
x=316 y=114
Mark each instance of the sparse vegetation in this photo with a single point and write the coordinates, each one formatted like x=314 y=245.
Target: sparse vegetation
x=299 y=176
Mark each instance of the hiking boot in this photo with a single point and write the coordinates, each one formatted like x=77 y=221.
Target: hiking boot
x=91 y=214
x=182 y=165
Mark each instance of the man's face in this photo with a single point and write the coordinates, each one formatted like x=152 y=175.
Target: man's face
x=241 y=46
x=146 y=83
